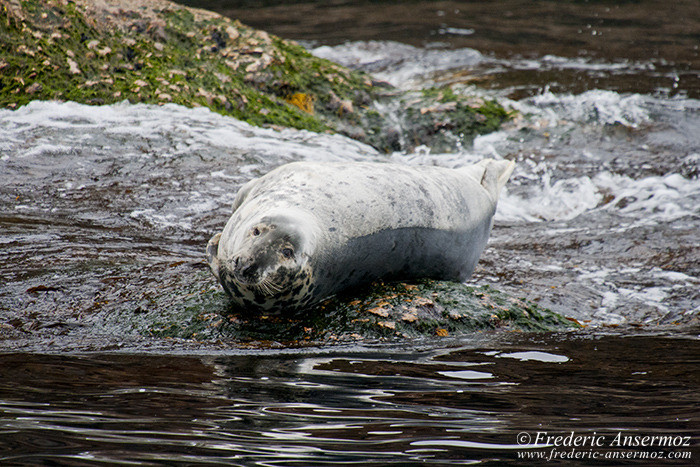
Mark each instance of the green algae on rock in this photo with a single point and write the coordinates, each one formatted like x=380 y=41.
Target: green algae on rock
x=157 y=52
x=442 y=308
x=105 y=51
x=442 y=119
x=379 y=311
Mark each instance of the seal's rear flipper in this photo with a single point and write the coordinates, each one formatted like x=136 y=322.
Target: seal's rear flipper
x=213 y=254
x=492 y=174
x=503 y=169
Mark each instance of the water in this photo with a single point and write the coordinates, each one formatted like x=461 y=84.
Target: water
x=467 y=402
x=105 y=213
x=648 y=46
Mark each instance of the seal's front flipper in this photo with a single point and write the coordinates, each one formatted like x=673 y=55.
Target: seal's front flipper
x=213 y=254
x=242 y=194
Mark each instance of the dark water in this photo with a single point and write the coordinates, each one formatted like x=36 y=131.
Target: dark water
x=105 y=211
x=476 y=401
x=649 y=46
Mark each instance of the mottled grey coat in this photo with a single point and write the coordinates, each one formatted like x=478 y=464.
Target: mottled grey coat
x=308 y=230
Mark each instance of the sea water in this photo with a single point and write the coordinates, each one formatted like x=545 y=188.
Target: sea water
x=107 y=209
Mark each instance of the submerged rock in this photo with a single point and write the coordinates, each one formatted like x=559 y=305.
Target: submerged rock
x=158 y=52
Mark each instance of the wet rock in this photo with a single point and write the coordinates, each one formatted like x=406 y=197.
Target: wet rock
x=396 y=310
x=253 y=74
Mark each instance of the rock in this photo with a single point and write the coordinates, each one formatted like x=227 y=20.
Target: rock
x=126 y=37
x=380 y=311
x=34 y=88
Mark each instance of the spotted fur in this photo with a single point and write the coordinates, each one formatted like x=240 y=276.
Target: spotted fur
x=306 y=231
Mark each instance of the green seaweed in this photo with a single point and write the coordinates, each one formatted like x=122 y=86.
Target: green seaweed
x=55 y=50
x=110 y=65
x=395 y=310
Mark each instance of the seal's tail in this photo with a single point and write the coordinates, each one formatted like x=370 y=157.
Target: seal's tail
x=492 y=174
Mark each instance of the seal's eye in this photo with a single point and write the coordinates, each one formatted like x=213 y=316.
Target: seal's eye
x=287 y=253
x=256 y=232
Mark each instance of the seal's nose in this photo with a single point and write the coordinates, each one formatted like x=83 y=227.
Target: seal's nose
x=244 y=268
x=248 y=270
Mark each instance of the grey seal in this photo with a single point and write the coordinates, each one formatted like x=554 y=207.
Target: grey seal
x=307 y=230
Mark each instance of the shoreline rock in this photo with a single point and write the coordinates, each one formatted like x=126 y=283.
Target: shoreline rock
x=155 y=51
x=382 y=311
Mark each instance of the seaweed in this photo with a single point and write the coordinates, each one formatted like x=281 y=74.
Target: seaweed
x=163 y=53
x=378 y=311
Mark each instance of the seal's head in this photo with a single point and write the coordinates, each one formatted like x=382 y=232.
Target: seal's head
x=264 y=261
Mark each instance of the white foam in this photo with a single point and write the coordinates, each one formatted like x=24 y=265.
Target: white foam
x=189 y=129
x=674 y=276
x=596 y=106
x=486 y=145
x=456 y=31
x=156 y=219
x=549 y=62
x=179 y=217
x=644 y=201
x=401 y=65
x=651 y=200
x=547 y=201
x=46 y=150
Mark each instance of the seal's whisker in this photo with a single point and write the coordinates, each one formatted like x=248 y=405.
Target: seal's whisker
x=267 y=287
x=260 y=287
x=274 y=288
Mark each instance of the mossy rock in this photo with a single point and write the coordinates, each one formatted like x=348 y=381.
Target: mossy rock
x=157 y=52
x=380 y=311
x=445 y=121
